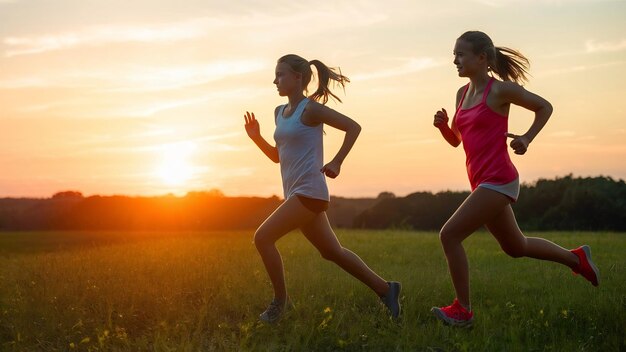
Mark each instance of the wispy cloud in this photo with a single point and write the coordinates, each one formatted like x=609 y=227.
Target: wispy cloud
x=594 y=47
x=490 y=3
x=255 y=27
x=589 y=47
x=94 y=106
x=162 y=78
x=138 y=78
x=151 y=108
x=578 y=68
x=130 y=144
x=507 y=3
x=106 y=34
x=569 y=135
x=148 y=137
x=562 y=134
x=60 y=104
x=157 y=107
x=410 y=65
x=23 y=82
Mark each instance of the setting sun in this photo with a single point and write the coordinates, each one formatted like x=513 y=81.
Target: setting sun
x=175 y=168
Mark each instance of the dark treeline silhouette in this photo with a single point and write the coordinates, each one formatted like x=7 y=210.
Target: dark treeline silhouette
x=195 y=211
x=417 y=211
x=592 y=203
x=567 y=203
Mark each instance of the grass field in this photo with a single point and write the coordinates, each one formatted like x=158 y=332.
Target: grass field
x=203 y=292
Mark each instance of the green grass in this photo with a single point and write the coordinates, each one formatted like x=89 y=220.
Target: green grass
x=203 y=292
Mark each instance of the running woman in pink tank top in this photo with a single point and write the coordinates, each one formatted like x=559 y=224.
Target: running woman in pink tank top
x=480 y=123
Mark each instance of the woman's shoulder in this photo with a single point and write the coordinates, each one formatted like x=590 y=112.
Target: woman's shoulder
x=277 y=111
x=313 y=108
x=503 y=91
x=313 y=113
x=504 y=86
x=459 y=93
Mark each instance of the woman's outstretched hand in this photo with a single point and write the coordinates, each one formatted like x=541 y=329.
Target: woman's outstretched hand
x=252 y=125
x=519 y=143
x=441 y=118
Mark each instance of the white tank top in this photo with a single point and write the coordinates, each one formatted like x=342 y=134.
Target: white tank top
x=301 y=153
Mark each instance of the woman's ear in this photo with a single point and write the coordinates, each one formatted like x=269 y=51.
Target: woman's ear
x=482 y=57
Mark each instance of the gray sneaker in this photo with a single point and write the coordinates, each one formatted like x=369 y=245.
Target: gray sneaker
x=392 y=299
x=273 y=312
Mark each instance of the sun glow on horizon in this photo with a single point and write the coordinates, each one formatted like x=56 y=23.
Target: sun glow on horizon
x=175 y=167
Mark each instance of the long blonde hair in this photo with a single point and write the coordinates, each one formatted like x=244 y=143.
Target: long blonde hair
x=508 y=64
x=325 y=75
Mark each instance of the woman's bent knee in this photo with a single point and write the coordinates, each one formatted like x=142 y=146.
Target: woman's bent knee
x=332 y=254
x=516 y=250
x=448 y=237
x=261 y=238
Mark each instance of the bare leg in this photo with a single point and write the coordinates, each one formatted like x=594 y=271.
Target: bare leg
x=321 y=235
x=290 y=215
x=479 y=208
x=504 y=228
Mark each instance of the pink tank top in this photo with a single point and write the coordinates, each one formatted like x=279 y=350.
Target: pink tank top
x=484 y=141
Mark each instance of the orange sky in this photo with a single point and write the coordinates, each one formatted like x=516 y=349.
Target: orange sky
x=147 y=97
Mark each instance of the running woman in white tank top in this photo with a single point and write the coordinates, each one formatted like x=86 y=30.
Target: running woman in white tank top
x=299 y=151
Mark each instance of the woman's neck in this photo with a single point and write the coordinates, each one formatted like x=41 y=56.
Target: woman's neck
x=479 y=82
x=295 y=99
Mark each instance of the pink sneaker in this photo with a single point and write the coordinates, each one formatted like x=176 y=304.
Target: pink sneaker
x=586 y=267
x=454 y=315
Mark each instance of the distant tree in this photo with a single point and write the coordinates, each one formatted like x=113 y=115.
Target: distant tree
x=212 y=193
x=68 y=195
x=386 y=195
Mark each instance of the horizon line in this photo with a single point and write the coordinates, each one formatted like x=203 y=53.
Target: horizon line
x=218 y=192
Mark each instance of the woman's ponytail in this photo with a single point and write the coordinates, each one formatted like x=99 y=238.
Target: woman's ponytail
x=508 y=64
x=324 y=75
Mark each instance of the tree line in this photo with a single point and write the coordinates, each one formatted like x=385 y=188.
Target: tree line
x=566 y=203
